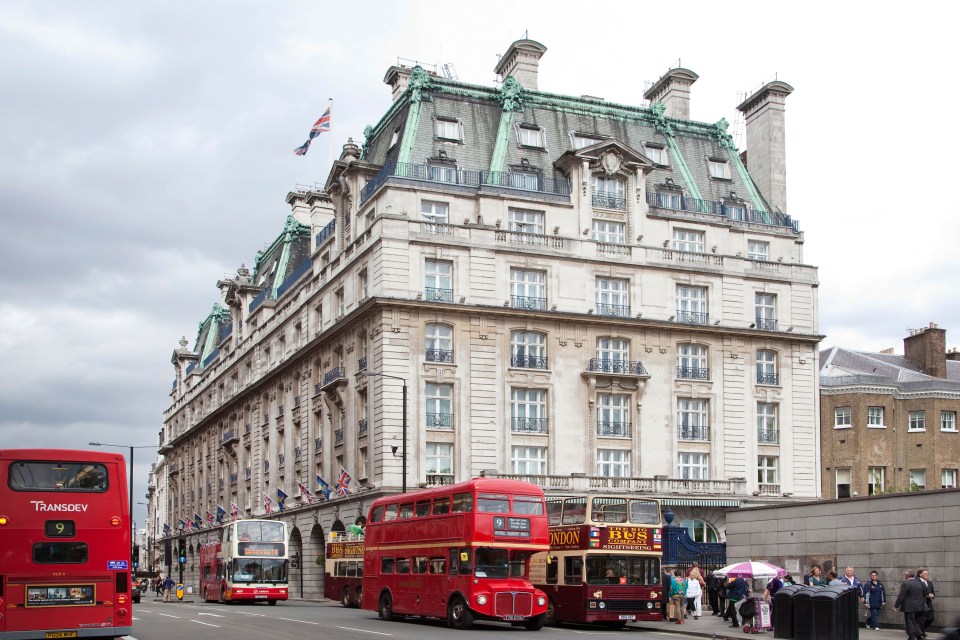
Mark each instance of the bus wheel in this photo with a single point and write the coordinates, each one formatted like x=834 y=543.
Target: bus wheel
x=359 y=597
x=617 y=624
x=345 y=600
x=535 y=623
x=386 y=607
x=272 y=603
x=551 y=614
x=459 y=616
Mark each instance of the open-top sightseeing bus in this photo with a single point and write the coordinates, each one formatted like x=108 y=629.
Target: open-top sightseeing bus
x=459 y=552
x=343 y=568
x=604 y=560
x=64 y=544
x=248 y=564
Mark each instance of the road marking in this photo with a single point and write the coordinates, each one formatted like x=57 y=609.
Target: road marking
x=215 y=615
x=259 y=615
x=303 y=621
x=167 y=615
x=206 y=624
x=376 y=633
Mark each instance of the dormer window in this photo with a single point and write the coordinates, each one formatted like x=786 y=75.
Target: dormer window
x=658 y=154
x=449 y=129
x=719 y=168
x=395 y=138
x=581 y=140
x=530 y=135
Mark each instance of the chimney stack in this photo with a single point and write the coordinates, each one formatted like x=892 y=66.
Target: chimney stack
x=927 y=348
x=766 y=141
x=521 y=61
x=397 y=77
x=673 y=90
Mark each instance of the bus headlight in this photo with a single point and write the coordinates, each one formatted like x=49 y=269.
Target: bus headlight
x=541 y=601
x=481 y=599
x=649 y=605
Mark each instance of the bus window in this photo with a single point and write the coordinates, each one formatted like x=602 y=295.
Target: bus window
x=352 y=569
x=491 y=563
x=423 y=508
x=438 y=566
x=554 y=507
x=519 y=563
x=528 y=505
x=463 y=503
x=493 y=503
x=460 y=561
x=406 y=511
x=420 y=564
x=572 y=570
x=271 y=531
x=403 y=565
x=386 y=565
x=612 y=510
x=553 y=563
x=248 y=532
x=574 y=510
x=377 y=515
x=441 y=506
x=360 y=569
x=390 y=513
x=60 y=552
x=644 y=512
x=57 y=476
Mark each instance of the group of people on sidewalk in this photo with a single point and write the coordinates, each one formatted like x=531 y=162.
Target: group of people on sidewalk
x=915 y=600
x=164 y=586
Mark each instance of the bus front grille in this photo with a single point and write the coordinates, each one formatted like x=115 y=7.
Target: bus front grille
x=511 y=603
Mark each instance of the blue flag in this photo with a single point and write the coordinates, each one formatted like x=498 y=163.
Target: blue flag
x=281 y=498
x=220 y=513
x=197 y=521
x=323 y=487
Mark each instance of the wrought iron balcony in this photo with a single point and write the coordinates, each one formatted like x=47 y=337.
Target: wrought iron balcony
x=766 y=324
x=362 y=427
x=618 y=310
x=334 y=375
x=629 y=367
x=678 y=202
x=439 y=355
x=768 y=378
x=297 y=454
x=613 y=429
x=529 y=362
x=695 y=432
x=693 y=373
x=326 y=232
x=609 y=201
x=438 y=479
x=362 y=364
x=768 y=436
x=338 y=437
x=266 y=466
x=233 y=478
x=528 y=303
x=693 y=317
x=230 y=437
x=525 y=181
x=439 y=421
x=318 y=444
x=281 y=460
x=528 y=425
x=247 y=473
x=173 y=470
x=433 y=294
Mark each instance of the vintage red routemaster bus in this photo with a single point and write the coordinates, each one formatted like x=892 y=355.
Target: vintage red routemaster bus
x=64 y=544
x=249 y=564
x=343 y=568
x=458 y=552
x=604 y=560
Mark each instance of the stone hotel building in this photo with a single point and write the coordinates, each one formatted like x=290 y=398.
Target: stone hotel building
x=583 y=294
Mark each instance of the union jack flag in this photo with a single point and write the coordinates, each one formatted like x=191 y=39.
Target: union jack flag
x=320 y=126
x=343 y=482
x=306 y=492
x=266 y=503
x=187 y=526
x=234 y=510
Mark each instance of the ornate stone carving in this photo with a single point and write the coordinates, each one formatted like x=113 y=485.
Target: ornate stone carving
x=418 y=83
x=720 y=133
x=660 y=122
x=511 y=95
x=611 y=161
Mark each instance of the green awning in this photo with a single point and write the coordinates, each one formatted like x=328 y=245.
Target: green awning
x=700 y=502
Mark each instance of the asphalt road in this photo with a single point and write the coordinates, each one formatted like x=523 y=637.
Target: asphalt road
x=297 y=620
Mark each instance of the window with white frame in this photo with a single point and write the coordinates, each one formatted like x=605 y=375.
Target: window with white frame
x=528 y=461
x=439 y=461
x=767 y=367
x=530 y=135
x=875 y=417
x=767 y=432
x=439 y=342
x=700 y=530
x=341 y=303
x=842 y=482
x=438 y=280
x=719 y=169
x=918 y=479
x=609 y=232
x=948 y=421
x=687 y=240
x=528 y=289
x=613 y=415
x=876 y=477
x=948 y=478
x=657 y=154
x=449 y=129
x=580 y=141
x=613 y=297
x=434 y=212
x=669 y=199
x=767 y=469
x=693 y=466
x=613 y=463
x=438 y=405
x=529 y=180
x=443 y=172
x=613 y=350
x=842 y=418
x=362 y=286
x=362 y=463
x=528 y=349
x=692 y=362
x=528 y=410
x=395 y=138
x=692 y=304
x=758 y=250
x=609 y=192
x=917 y=421
x=766 y=311
x=524 y=221
x=693 y=419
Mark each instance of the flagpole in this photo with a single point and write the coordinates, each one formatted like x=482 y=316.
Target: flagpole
x=330 y=137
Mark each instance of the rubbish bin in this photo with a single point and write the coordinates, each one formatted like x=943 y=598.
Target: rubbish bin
x=803 y=627
x=783 y=611
x=835 y=613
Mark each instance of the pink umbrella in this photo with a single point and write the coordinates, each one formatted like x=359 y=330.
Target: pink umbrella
x=751 y=570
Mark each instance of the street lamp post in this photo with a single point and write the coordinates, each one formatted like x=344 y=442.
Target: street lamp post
x=130 y=488
x=403 y=455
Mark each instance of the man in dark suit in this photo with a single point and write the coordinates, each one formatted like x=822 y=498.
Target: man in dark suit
x=923 y=577
x=910 y=602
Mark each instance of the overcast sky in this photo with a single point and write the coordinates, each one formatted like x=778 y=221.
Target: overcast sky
x=146 y=150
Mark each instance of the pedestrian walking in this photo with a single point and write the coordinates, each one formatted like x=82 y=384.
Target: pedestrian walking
x=158 y=585
x=168 y=586
x=678 y=595
x=713 y=594
x=874 y=598
x=666 y=581
x=910 y=602
x=772 y=587
x=694 y=596
x=834 y=578
x=737 y=592
x=923 y=575
x=850 y=579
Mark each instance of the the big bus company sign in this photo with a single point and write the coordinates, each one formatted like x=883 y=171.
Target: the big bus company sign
x=338 y=550
x=613 y=537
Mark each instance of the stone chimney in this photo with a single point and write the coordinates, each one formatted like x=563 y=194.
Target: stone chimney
x=397 y=77
x=766 y=141
x=953 y=355
x=521 y=61
x=927 y=348
x=673 y=90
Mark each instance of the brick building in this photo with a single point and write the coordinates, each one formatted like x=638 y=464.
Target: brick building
x=888 y=423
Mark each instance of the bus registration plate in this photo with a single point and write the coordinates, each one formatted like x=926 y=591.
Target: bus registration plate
x=513 y=616
x=60 y=634
x=628 y=617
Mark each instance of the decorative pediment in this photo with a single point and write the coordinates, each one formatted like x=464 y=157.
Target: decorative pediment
x=609 y=156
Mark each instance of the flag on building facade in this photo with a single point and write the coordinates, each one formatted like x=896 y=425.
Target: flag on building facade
x=186 y=526
x=197 y=521
x=305 y=492
x=234 y=510
x=324 y=488
x=281 y=498
x=209 y=518
x=166 y=529
x=220 y=513
x=343 y=482
x=267 y=504
x=320 y=126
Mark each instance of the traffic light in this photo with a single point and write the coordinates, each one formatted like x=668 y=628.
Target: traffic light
x=182 y=550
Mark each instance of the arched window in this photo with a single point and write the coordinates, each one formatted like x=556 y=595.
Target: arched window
x=700 y=530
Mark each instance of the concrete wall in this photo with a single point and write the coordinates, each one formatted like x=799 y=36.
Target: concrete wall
x=889 y=534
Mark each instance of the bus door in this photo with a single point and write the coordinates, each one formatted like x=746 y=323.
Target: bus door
x=571 y=596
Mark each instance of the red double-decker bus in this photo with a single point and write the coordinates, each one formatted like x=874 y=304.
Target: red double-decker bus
x=604 y=560
x=343 y=568
x=64 y=544
x=459 y=552
x=249 y=563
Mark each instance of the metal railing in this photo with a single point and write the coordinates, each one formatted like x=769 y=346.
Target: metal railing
x=247 y=473
x=326 y=232
x=439 y=355
x=618 y=310
x=233 y=477
x=609 y=201
x=768 y=436
x=525 y=182
x=444 y=175
x=613 y=429
x=266 y=466
x=603 y=365
x=693 y=373
x=529 y=425
x=693 y=432
x=213 y=356
x=768 y=378
x=433 y=294
x=529 y=362
x=362 y=427
x=333 y=376
x=766 y=324
x=281 y=460
x=304 y=267
x=733 y=213
x=528 y=303
x=362 y=363
x=439 y=421
x=229 y=437
x=693 y=317
x=256 y=302
x=317 y=445
x=338 y=437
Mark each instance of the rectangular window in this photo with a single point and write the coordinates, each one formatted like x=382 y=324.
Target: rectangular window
x=434 y=212
x=948 y=478
x=60 y=476
x=528 y=410
x=530 y=461
x=692 y=419
x=613 y=463
x=918 y=479
x=612 y=350
x=449 y=129
x=690 y=241
x=613 y=297
x=767 y=367
x=767 y=470
x=528 y=289
x=875 y=480
x=658 y=155
x=613 y=415
x=948 y=421
x=843 y=483
x=530 y=135
x=609 y=232
x=917 y=421
x=693 y=466
x=841 y=418
x=692 y=305
x=719 y=169
x=609 y=193
x=757 y=250
x=438 y=280
x=439 y=405
x=528 y=349
x=523 y=221
x=581 y=141
x=875 y=417
x=443 y=173
x=692 y=362
x=765 y=305
x=767 y=423
x=439 y=461
x=669 y=200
